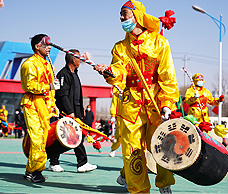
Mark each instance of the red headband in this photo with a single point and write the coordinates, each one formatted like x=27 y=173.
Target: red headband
x=200 y=76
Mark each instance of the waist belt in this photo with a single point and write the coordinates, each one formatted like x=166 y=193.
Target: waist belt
x=134 y=81
x=203 y=105
x=29 y=93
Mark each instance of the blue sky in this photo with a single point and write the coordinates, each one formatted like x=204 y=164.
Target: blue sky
x=94 y=26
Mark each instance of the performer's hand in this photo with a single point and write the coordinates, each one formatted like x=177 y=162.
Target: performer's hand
x=166 y=113
x=196 y=95
x=113 y=120
x=221 y=98
x=72 y=115
x=55 y=110
x=113 y=140
x=101 y=68
x=55 y=85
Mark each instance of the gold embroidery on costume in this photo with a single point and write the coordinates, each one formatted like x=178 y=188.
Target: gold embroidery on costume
x=126 y=96
x=136 y=162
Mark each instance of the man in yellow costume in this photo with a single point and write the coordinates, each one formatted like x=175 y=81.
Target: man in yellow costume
x=138 y=115
x=3 y=118
x=38 y=103
x=197 y=97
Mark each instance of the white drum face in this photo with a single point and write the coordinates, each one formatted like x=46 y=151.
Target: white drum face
x=68 y=132
x=176 y=144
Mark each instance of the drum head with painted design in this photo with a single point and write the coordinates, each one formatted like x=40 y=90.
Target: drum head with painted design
x=68 y=132
x=176 y=144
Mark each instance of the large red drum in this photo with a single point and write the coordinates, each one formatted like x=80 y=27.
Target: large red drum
x=64 y=135
x=179 y=146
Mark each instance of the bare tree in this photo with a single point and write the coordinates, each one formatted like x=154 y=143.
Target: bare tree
x=182 y=90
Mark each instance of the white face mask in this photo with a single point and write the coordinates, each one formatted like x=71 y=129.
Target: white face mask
x=88 y=109
x=17 y=112
x=128 y=25
x=200 y=83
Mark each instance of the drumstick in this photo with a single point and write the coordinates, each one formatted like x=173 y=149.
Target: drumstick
x=46 y=40
x=88 y=128
x=52 y=67
x=193 y=85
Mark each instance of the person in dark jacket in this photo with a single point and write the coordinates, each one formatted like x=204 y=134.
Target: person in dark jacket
x=19 y=120
x=69 y=101
x=89 y=117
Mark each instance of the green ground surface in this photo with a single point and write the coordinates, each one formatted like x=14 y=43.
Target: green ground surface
x=101 y=180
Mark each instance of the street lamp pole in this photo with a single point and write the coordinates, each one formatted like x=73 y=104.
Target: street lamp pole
x=220 y=25
x=220 y=70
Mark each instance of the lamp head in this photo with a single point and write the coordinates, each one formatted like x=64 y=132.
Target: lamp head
x=198 y=8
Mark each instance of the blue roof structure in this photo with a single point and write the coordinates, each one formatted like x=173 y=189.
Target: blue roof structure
x=12 y=54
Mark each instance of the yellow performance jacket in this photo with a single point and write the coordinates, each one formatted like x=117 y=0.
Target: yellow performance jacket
x=3 y=114
x=153 y=56
x=37 y=84
x=200 y=111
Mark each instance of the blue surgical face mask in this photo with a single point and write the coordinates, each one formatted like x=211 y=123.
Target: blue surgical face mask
x=128 y=25
x=200 y=83
x=88 y=109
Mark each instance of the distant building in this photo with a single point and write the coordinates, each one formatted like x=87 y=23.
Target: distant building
x=12 y=55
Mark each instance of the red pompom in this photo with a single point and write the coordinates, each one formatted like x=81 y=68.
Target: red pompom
x=205 y=126
x=221 y=98
x=97 y=145
x=174 y=115
x=167 y=21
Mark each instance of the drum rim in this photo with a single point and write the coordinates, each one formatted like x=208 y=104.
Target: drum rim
x=147 y=152
x=57 y=134
x=196 y=155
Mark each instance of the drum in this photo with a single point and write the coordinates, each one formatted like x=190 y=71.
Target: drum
x=64 y=135
x=179 y=146
x=150 y=162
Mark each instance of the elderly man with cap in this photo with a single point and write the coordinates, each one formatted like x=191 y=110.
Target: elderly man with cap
x=143 y=48
x=197 y=97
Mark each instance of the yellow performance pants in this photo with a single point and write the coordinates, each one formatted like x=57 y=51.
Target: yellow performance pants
x=38 y=135
x=135 y=138
x=116 y=145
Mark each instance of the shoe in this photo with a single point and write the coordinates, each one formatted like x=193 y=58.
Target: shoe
x=165 y=190
x=35 y=177
x=28 y=176
x=112 y=153
x=55 y=168
x=87 y=167
x=122 y=181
